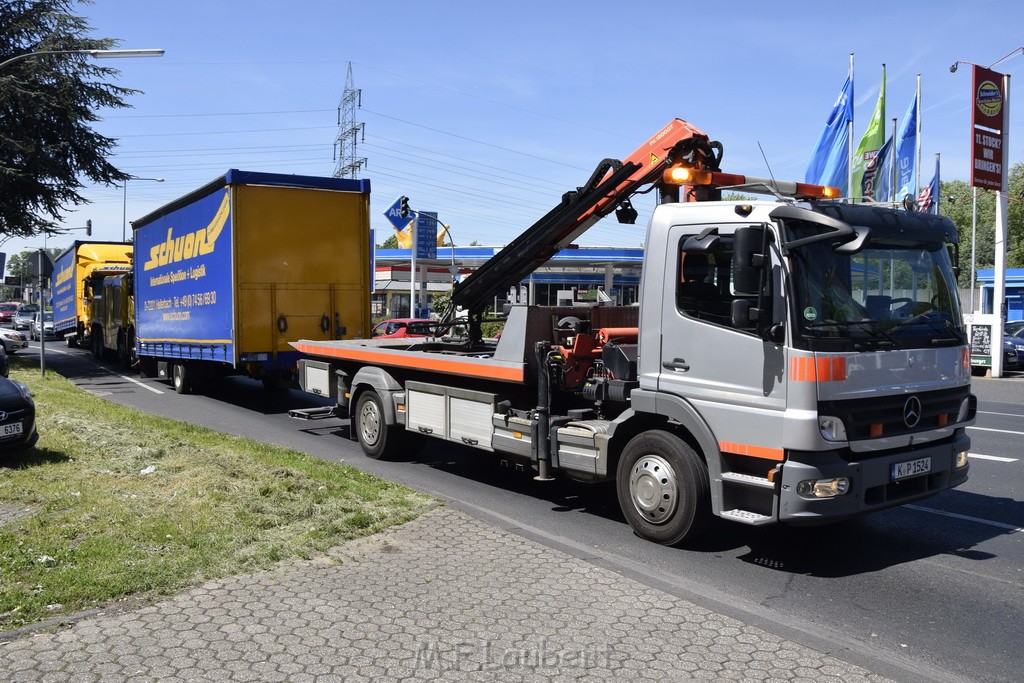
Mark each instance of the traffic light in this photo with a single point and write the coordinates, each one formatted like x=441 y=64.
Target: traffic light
x=403 y=206
x=88 y=228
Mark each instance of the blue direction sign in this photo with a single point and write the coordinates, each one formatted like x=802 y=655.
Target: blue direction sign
x=426 y=234
x=393 y=214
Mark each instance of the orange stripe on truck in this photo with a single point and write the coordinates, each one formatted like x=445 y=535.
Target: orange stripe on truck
x=753 y=451
x=425 y=361
x=807 y=369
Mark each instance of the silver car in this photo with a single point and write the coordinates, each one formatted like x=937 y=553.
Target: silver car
x=42 y=326
x=23 y=316
x=12 y=340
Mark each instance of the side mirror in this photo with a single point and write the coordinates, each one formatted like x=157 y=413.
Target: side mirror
x=744 y=313
x=747 y=259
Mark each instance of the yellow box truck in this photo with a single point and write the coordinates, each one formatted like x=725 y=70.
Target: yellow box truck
x=227 y=275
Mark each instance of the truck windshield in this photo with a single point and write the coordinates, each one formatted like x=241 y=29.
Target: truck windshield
x=888 y=295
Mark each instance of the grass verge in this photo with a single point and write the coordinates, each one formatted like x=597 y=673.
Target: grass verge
x=114 y=503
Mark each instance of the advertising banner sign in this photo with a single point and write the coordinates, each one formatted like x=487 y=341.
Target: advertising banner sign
x=988 y=131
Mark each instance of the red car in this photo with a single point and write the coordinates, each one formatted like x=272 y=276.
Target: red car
x=7 y=311
x=403 y=327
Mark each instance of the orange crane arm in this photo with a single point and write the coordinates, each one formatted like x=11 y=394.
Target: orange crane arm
x=609 y=186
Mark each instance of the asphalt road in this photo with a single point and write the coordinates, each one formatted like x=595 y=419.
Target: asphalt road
x=930 y=591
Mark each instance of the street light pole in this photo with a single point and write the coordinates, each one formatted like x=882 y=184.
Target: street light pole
x=97 y=54
x=124 y=206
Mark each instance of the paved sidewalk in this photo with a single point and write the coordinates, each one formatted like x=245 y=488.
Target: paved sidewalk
x=444 y=597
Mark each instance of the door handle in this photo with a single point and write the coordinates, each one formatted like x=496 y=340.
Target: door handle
x=676 y=364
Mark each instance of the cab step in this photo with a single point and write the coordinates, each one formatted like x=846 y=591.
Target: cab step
x=748 y=480
x=747 y=517
x=321 y=413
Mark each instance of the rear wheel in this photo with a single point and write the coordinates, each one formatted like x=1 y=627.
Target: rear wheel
x=97 y=343
x=378 y=439
x=663 y=488
x=181 y=377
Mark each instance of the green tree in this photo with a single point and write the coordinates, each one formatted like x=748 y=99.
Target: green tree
x=390 y=243
x=47 y=106
x=956 y=202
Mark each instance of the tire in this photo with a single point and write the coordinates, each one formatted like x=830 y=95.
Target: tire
x=378 y=439
x=271 y=380
x=97 y=344
x=181 y=377
x=663 y=488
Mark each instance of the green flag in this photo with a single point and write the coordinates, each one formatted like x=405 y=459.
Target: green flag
x=874 y=138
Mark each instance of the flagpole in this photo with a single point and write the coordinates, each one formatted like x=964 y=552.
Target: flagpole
x=849 y=145
x=892 y=164
x=917 y=160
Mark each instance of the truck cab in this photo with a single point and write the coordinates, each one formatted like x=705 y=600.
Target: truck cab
x=815 y=352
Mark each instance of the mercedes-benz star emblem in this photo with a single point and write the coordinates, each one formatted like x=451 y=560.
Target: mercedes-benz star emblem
x=912 y=412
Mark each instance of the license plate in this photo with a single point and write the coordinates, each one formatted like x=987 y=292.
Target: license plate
x=911 y=468
x=12 y=429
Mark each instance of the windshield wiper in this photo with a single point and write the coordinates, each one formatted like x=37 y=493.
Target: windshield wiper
x=871 y=326
x=940 y=324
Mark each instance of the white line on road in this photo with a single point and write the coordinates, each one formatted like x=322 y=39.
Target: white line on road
x=997 y=458
x=135 y=381
x=124 y=377
x=1009 y=527
x=1001 y=431
x=989 y=412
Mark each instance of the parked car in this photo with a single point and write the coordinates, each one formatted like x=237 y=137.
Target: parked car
x=12 y=340
x=1013 y=335
x=403 y=327
x=23 y=316
x=17 y=415
x=7 y=311
x=42 y=326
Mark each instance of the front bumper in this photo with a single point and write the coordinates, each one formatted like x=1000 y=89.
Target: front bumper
x=871 y=484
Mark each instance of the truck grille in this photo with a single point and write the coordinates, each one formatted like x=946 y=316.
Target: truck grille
x=883 y=416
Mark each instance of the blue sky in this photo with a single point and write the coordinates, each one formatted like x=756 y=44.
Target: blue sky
x=488 y=112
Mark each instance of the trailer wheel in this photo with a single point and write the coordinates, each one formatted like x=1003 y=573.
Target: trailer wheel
x=182 y=378
x=663 y=488
x=378 y=439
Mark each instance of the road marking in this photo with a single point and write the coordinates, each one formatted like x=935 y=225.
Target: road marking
x=124 y=377
x=989 y=412
x=997 y=458
x=1009 y=527
x=135 y=381
x=1001 y=431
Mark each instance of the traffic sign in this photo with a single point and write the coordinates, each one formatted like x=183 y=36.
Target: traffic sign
x=393 y=214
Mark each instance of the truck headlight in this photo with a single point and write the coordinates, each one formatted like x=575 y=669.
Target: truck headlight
x=965 y=410
x=961 y=459
x=831 y=428
x=824 y=488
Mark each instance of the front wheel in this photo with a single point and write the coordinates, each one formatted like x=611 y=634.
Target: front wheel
x=182 y=378
x=378 y=439
x=663 y=488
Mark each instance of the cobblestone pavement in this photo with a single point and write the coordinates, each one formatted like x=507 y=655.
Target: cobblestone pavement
x=444 y=597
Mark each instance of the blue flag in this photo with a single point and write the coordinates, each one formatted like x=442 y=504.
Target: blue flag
x=928 y=202
x=878 y=175
x=906 y=155
x=830 y=161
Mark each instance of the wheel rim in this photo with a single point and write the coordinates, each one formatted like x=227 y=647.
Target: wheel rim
x=369 y=423
x=652 y=488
